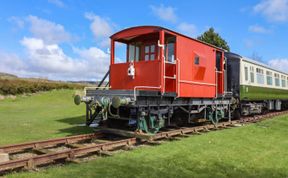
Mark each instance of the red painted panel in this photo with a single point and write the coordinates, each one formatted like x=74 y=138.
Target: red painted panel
x=196 y=80
x=147 y=73
x=135 y=31
x=170 y=82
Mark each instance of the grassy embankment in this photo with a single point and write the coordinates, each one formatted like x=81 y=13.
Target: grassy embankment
x=18 y=86
x=256 y=150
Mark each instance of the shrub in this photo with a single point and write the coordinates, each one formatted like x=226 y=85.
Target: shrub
x=21 y=86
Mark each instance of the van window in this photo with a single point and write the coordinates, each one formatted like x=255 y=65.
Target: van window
x=150 y=52
x=134 y=53
x=197 y=60
x=218 y=60
x=170 y=52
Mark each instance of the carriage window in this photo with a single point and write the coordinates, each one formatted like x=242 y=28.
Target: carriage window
x=150 y=52
x=197 y=60
x=283 y=81
x=277 y=80
x=269 y=78
x=252 y=74
x=134 y=53
x=246 y=73
x=260 y=76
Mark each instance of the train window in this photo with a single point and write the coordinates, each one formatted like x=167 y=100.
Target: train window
x=150 y=52
x=277 y=80
x=120 y=53
x=134 y=52
x=283 y=81
x=269 y=78
x=131 y=53
x=146 y=57
x=251 y=74
x=246 y=73
x=170 y=51
x=197 y=60
x=152 y=48
x=137 y=53
x=260 y=76
x=146 y=49
x=218 y=60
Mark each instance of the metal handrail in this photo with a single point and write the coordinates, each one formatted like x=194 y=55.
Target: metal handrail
x=178 y=76
x=144 y=87
x=103 y=79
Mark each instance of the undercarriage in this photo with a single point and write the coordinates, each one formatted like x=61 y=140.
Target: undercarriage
x=149 y=111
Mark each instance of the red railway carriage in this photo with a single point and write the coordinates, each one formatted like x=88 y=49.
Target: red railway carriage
x=167 y=61
x=167 y=79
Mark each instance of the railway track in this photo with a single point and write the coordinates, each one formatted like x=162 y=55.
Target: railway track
x=40 y=153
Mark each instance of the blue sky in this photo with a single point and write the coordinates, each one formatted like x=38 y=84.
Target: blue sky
x=68 y=40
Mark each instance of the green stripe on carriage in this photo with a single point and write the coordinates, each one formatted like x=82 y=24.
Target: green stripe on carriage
x=261 y=93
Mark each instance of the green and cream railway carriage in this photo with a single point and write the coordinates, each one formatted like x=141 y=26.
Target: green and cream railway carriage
x=256 y=87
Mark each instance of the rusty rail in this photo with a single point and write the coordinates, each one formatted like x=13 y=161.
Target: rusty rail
x=41 y=144
x=197 y=129
x=30 y=163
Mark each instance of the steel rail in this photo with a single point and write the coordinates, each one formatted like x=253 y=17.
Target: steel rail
x=30 y=163
x=197 y=129
x=51 y=142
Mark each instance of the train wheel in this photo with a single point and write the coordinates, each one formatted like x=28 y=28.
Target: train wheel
x=236 y=114
x=179 y=118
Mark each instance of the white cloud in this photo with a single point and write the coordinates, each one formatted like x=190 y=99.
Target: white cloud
x=49 y=60
x=101 y=28
x=165 y=13
x=98 y=60
x=280 y=64
x=258 y=29
x=32 y=43
x=45 y=57
x=273 y=10
x=187 y=29
x=49 y=31
x=11 y=63
x=58 y=3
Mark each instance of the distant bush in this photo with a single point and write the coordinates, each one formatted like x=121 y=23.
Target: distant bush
x=21 y=86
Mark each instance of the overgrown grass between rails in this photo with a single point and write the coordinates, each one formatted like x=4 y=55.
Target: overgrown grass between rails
x=255 y=150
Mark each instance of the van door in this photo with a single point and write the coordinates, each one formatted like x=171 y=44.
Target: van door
x=219 y=73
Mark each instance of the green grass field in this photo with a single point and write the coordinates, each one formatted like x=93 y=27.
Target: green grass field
x=256 y=150
x=47 y=115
